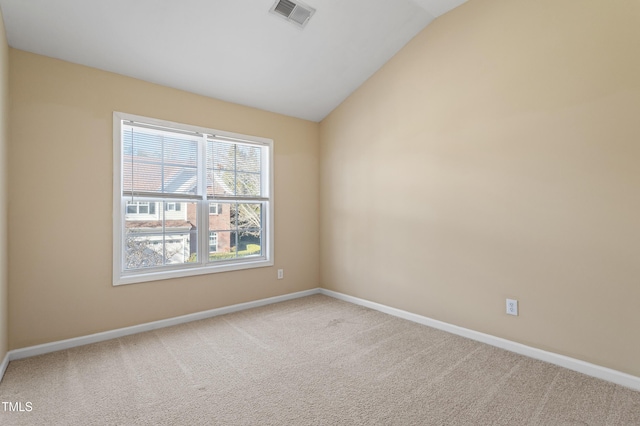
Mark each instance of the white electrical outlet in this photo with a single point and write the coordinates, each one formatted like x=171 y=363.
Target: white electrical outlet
x=512 y=307
x=280 y=274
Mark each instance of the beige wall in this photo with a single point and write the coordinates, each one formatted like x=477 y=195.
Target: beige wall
x=497 y=155
x=4 y=114
x=60 y=202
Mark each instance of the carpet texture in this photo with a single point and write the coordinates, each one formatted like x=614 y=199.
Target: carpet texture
x=309 y=361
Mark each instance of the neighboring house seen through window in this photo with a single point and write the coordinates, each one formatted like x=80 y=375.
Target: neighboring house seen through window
x=173 y=207
x=189 y=200
x=137 y=207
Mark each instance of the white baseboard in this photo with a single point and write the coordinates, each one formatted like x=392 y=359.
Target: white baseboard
x=120 y=332
x=4 y=365
x=583 y=367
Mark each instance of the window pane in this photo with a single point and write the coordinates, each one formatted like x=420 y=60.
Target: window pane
x=233 y=169
x=248 y=158
x=142 y=161
x=165 y=240
x=246 y=215
x=174 y=210
x=225 y=249
x=155 y=161
x=250 y=243
x=220 y=168
x=213 y=242
x=177 y=248
x=221 y=220
x=142 y=249
x=248 y=184
x=141 y=210
x=239 y=230
x=233 y=245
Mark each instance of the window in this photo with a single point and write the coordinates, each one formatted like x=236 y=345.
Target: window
x=214 y=208
x=189 y=200
x=213 y=242
x=141 y=208
x=173 y=207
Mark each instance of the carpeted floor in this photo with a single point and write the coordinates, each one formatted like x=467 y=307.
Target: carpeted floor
x=309 y=361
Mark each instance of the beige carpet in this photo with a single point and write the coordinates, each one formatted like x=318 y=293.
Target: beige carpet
x=310 y=361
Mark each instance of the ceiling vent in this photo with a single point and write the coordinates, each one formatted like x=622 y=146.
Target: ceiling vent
x=296 y=12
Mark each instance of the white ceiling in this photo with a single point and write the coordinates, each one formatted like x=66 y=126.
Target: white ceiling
x=232 y=50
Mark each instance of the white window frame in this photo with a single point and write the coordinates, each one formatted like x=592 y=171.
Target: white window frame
x=217 y=209
x=203 y=266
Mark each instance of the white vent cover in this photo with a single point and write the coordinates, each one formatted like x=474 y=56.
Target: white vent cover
x=296 y=12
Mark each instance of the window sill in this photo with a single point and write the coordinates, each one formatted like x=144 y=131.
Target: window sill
x=188 y=271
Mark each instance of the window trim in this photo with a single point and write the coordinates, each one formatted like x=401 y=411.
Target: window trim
x=121 y=277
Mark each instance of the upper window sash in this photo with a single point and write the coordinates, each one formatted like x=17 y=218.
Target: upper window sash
x=161 y=161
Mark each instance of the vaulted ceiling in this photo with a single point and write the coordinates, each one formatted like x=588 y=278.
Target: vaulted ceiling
x=234 y=50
